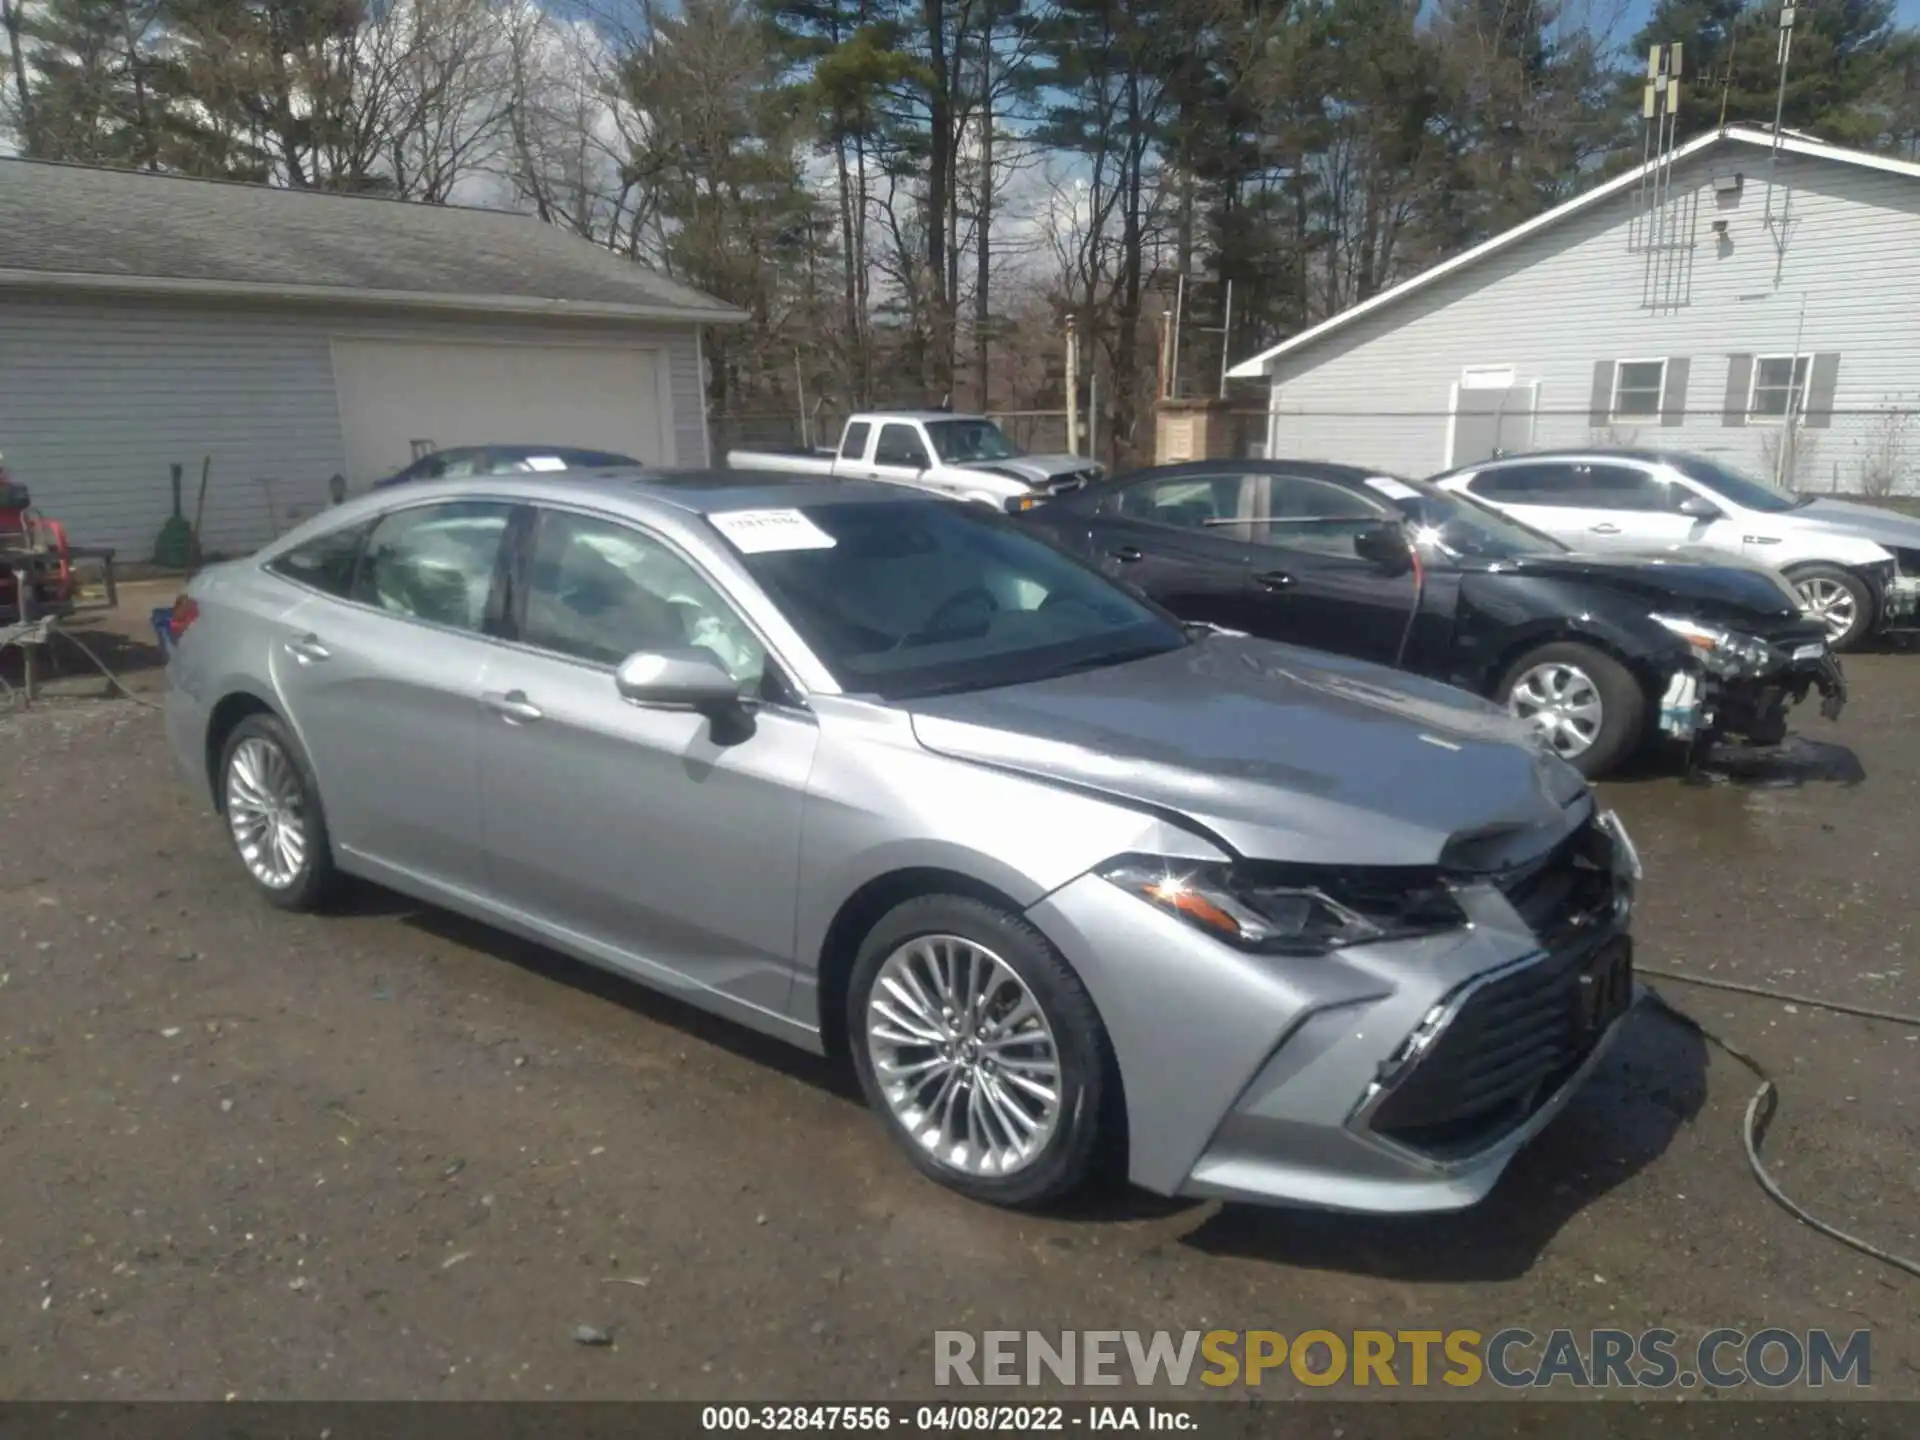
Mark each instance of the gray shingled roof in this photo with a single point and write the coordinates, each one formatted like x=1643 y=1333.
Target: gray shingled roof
x=74 y=227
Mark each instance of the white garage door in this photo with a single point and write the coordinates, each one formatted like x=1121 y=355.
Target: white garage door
x=399 y=398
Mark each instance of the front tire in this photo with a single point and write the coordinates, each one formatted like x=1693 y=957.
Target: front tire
x=272 y=809
x=980 y=1049
x=1586 y=705
x=1840 y=599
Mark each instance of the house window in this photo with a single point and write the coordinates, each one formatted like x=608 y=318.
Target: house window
x=1779 y=386
x=1637 y=388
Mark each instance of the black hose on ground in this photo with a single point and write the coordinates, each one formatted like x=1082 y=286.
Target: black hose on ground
x=1766 y=1100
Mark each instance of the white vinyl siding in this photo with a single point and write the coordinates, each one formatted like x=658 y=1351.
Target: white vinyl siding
x=98 y=398
x=1571 y=298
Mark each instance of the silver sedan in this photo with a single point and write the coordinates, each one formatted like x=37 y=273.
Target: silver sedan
x=885 y=776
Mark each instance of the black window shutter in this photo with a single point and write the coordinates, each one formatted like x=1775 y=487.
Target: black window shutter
x=1673 y=401
x=1820 y=388
x=1739 y=382
x=1600 y=408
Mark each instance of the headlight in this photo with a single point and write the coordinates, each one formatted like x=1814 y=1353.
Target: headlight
x=1023 y=502
x=1724 y=652
x=1291 y=909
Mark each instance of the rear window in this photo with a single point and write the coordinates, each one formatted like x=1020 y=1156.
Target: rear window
x=326 y=562
x=853 y=444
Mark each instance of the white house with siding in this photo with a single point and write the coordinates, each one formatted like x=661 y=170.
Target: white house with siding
x=1756 y=302
x=288 y=336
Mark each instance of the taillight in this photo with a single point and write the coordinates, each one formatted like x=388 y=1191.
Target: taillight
x=185 y=612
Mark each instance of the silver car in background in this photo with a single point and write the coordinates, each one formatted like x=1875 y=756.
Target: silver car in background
x=884 y=775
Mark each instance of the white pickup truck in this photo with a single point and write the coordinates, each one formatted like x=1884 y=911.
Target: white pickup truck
x=964 y=457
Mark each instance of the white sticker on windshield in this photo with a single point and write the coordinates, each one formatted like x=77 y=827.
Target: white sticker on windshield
x=545 y=462
x=1392 y=488
x=760 y=532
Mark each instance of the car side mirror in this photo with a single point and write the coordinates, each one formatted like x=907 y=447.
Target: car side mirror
x=685 y=679
x=1700 y=508
x=1385 y=546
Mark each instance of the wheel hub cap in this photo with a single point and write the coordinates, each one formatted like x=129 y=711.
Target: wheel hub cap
x=264 y=813
x=964 y=1055
x=1830 y=602
x=1562 y=704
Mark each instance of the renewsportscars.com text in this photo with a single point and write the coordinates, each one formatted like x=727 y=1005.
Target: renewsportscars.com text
x=1654 y=1359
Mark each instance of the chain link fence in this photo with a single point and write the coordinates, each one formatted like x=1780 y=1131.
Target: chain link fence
x=1039 y=432
x=1870 y=452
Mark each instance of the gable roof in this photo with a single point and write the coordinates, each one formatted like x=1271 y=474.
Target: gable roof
x=1791 y=142
x=76 y=228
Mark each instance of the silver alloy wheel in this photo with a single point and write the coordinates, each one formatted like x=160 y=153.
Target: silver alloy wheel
x=1829 y=602
x=1562 y=703
x=265 y=812
x=964 y=1055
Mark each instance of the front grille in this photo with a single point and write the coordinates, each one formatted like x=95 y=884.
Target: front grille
x=1067 y=484
x=1510 y=1045
x=1512 y=1041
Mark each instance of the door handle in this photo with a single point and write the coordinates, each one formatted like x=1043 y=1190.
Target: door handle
x=1125 y=554
x=513 y=707
x=1273 y=580
x=307 y=649
x=1606 y=527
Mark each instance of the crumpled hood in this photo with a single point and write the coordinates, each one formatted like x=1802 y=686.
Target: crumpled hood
x=1863 y=522
x=1686 y=578
x=1036 y=469
x=1285 y=754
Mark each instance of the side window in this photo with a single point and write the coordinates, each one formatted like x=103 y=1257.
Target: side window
x=853 y=444
x=325 y=562
x=900 y=445
x=1191 y=502
x=1303 y=513
x=434 y=562
x=600 y=591
x=1527 y=485
x=1621 y=487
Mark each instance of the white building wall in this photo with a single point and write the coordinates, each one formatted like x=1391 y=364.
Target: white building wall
x=1589 y=289
x=99 y=398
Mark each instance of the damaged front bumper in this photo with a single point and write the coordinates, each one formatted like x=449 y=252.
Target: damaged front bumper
x=1704 y=700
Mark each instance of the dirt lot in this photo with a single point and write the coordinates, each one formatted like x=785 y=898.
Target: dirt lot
x=384 y=1154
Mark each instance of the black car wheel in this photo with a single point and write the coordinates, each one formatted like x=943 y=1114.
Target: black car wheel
x=1839 y=599
x=1584 y=704
x=981 y=1049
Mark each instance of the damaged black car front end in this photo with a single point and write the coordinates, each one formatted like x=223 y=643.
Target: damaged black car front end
x=1730 y=682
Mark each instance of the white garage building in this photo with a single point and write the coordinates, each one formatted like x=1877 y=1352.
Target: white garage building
x=148 y=321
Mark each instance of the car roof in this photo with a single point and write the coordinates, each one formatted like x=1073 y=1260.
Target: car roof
x=1311 y=469
x=699 y=492
x=1572 y=452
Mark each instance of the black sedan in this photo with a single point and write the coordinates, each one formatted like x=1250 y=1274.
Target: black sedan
x=462 y=460
x=1602 y=653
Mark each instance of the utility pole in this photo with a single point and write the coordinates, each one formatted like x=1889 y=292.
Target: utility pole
x=1073 y=388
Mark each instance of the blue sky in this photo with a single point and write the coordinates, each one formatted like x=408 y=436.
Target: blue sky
x=1635 y=15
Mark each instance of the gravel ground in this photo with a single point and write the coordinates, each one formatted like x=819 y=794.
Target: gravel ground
x=386 y=1154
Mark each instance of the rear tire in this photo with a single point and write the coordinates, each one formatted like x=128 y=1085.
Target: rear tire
x=1841 y=599
x=1585 y=704
x=272 y=808
x=967 y=1101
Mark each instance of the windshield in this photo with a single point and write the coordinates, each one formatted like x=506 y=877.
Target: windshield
x=907 y=598
x=963 y=442
x=1742 y=490
x=1460 y=526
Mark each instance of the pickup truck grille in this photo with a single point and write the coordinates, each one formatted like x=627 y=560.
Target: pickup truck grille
x=1067 y=484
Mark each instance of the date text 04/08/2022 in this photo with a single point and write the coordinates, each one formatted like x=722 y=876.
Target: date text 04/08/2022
x=947 y=1419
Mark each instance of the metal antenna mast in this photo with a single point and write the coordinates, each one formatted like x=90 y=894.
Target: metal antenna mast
x=1659 y=113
